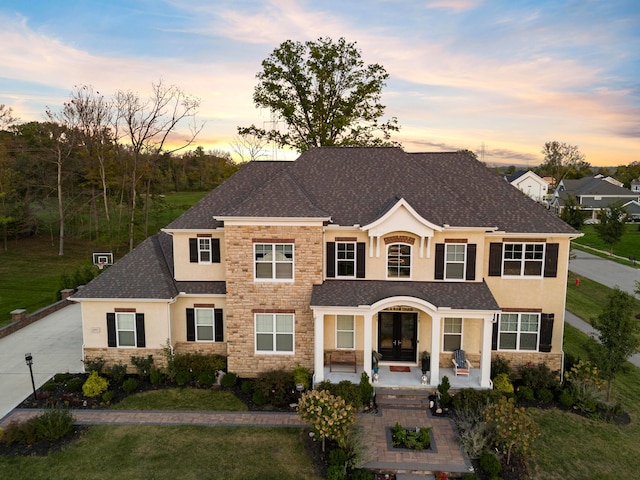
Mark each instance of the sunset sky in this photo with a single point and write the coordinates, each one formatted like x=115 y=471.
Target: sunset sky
x=464 y=74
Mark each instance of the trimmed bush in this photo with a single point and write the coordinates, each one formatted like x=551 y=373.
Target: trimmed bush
x=544 y=395
x=129 y=385
x=301 y=376
x=143 y=365
x=156 y=377
x=566 y=399
x=50 y=386
x=246 y=387
x=54 y=423
x=443 y=389
x=196 y=363
x=207 y=378
x=259 y=398
x=526 y=393
x=94 y=365
x=276 y=386
x=502 y=384
x=183 y=377
x=366 y=389
x=229 y=380
x=539 y=376
x=95 y=385
x=107 y=397
x=117 y=373
x=74 y=385
x=490 y=464
x=500 y=365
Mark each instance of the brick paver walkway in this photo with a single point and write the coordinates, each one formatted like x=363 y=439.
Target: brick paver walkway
x=446 y=456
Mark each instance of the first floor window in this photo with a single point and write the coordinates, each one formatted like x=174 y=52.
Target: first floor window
x=519 y=331
x=274 y=332
x=204 y=324
x=452 y=334
x=273 y=261
x=126 y=329
x=345 y=332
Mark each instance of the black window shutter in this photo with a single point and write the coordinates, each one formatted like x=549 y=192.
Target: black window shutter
x=331 y=259
x=191 y=325
x=193 y=250
x=439 y=266
x=471 y=261
x=495 y=259
x=215 y=250
x=546 y=331
x=217 y=315
x=361 y=255
x=551 y=260
x=494 y=336
x=111 y=330
x=140 y=340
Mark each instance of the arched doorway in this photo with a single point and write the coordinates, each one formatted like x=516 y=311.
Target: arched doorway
x=397 y=336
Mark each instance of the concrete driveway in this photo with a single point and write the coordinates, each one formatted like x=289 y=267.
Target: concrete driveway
x=55 y=342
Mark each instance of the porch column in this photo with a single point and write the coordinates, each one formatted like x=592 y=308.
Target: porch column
x=435 y=351
x=318 y=346
x=368 y=341
x=485 y=358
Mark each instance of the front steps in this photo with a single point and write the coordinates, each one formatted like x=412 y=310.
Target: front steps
x=402 y=398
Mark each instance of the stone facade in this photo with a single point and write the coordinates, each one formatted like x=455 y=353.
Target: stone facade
x=115 y=356
x=246 y=297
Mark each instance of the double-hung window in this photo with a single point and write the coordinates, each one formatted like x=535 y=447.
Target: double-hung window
x=204 y=324
x=204 y=250
x=274 y=332
x=452 y=334
x=345 y=332
x=273 y=261
x=346 y=259
x=126 y=329
x=519 y=331
x=455 y=254
x=399 y=261
x=523 y=259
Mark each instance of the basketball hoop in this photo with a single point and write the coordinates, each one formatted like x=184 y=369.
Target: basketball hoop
x=100 y=265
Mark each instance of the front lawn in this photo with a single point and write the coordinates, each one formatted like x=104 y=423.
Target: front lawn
x=628 y=246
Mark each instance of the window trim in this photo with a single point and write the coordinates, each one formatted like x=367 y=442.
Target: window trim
x=274 y=334
x=213 y=323
x=118 y=330
x=404 y=244
x=518 y=332
x=352 y=331
x=274 y=262
x=461 y=334
x=202 y=250
x=353 y=261
x=523 y=260
x=463 y=262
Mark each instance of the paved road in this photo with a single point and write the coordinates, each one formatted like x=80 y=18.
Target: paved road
x=604 y=271
x=55 y=342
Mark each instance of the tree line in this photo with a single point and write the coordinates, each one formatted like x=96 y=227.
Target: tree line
x=97 y=165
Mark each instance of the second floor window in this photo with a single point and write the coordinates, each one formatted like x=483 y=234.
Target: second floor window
x=204 y=250
x=523 y=259
x=345 y=259
x=399 y=261
x=454 y=261
x=273 y=261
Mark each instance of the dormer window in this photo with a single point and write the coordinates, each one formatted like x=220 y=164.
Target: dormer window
x=399 y=261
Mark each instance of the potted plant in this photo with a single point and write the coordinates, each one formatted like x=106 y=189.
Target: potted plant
x=425 y=358
x=375 y=358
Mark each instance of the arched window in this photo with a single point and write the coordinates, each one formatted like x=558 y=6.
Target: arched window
x=399 y=261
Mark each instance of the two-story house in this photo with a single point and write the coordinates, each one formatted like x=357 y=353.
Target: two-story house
x=344 y=250
x=528 y=182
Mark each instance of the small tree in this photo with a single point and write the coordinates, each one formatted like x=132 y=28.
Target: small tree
x=572 y=213
x=611 y=226
x=514 y=430
x=330 y=417
x=618 y=334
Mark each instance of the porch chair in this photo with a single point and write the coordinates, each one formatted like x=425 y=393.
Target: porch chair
x=461 y=366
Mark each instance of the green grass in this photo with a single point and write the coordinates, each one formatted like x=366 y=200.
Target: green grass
x=587 y=300
x=182 y=399
x=185 y=452
x=572 y=447
x=628 y=246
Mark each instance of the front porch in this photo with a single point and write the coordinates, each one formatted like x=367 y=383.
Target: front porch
x=405 y=380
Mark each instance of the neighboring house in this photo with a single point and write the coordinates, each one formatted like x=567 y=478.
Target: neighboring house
x=530 y=184
x=593 y=194
x=345 y=250
x=635 y=185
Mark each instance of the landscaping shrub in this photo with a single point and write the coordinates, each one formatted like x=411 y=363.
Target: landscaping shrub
x=74 y=385
x=470 y=400
x=544 y=395
x=156 y=377
x=360 y=474
x=412 y=439
x=366 y=389
x=24 y=433
x=469 y=405
x=54 y=423
x=330 y=417
x=490 y=464
x=95 y=385
x=196 y=363
x=502 y=384
x=117 y=373
x=566 y=399
x=259 y=398
x=62 y=377
x=500 y=365
x=525 y=393
x=108 y=396
x=94 y=365
x=336 y=472
x=301 y=376
x=129 y=385
x=229 y=380
x=539 y=376
x=49 y=386
x=143 y=365
x=585 y=386
x=183 y=377
x=207 y=378
x=276 y=386
x=443 y=389
x=246 y=387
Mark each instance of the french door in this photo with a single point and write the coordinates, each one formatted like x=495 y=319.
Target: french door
x=397 y=336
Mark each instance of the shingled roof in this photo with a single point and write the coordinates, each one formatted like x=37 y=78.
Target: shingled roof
x=354 y=293
x=145 y=272
x=353 y=185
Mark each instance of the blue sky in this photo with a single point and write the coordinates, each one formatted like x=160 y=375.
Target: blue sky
x=505 y=76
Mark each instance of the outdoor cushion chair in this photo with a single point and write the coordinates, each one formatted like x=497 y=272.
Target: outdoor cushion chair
x=461 y=366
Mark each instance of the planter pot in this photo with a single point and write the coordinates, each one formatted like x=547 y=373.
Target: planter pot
x=426 y=365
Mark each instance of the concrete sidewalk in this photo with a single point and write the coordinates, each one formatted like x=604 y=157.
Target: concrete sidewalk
x=603 y=271
x=55 y=342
